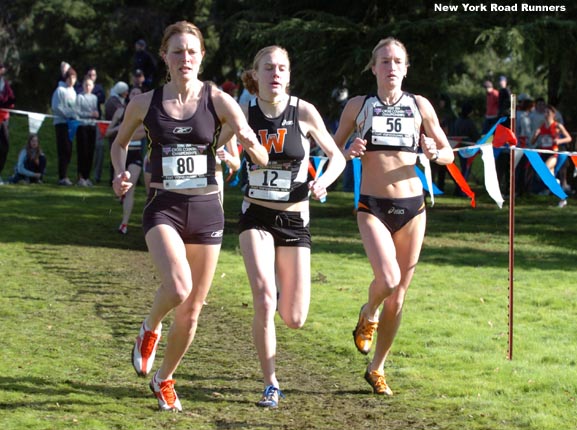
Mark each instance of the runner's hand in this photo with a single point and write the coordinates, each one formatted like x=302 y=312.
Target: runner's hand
x=121 y=183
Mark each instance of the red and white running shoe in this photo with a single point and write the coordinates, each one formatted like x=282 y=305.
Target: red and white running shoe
x=165 y=394
x=144 y=350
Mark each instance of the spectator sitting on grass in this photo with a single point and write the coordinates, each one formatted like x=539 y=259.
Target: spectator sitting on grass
x=31 y=164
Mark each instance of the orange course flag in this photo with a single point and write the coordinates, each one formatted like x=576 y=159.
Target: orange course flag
x=102 y=126
x=502 y=136
x=460 y=180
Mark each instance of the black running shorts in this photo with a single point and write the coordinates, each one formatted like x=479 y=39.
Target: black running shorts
x=197 y=219
x=286 y=228
x=393 y=213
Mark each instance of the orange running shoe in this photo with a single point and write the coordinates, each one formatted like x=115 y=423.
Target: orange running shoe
x=363 y=333
x=144 y=350
x=377 y=380
x=165 y=394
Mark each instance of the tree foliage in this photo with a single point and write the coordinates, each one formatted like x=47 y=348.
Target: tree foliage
x=328 y=42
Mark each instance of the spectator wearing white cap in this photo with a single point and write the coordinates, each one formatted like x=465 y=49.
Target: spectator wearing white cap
x=118 y=95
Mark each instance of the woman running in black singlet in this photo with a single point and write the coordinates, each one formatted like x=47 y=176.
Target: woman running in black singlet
x=274 y=226
x=183 y=219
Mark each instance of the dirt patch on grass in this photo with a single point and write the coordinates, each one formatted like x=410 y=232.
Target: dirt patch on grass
x=219 y=380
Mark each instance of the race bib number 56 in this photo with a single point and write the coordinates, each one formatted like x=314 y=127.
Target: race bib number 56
x=393 y=126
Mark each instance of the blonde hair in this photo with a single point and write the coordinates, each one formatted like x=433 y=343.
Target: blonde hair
x=180 y=27
x=386 y=42
x=247 y=76
x=33 y=154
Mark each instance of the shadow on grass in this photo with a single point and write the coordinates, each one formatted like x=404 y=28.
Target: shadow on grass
x=66 y=216
x=35 y=386
x=107 y=286
x=89 y=217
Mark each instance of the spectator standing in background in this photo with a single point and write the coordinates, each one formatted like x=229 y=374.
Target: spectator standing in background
x=64 y=66
x=491 y=106
x=87 y=111
x=465 y=127
x=523 y=132
x=245 y=97
x=523 y=129
x=447 y=120
x=230 y=88
x=502 y=161
x=64 y=108
x=144 y=61
x=100 y=94
x=504 y=100
x=138 y=80
x=117 y=98
x=98 y=89
x=7 y=100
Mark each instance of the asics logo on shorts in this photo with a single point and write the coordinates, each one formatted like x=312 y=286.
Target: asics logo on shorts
x=396 y=211
x=182 y=130
x=217 y=233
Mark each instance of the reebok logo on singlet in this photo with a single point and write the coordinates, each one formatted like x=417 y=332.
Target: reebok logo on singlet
x=182 y=130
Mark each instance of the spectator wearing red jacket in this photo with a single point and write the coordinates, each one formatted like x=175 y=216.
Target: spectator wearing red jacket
x=6 y=101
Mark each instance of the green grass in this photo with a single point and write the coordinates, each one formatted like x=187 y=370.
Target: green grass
x=74 y=293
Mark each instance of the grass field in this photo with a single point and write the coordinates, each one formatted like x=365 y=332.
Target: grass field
x=74 y=292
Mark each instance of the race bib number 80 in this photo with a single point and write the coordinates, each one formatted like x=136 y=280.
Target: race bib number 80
x=184 y=165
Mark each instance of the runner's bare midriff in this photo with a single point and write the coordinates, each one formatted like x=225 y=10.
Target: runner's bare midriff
x=209 y=189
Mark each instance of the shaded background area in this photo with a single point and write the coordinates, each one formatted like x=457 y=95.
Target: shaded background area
x=329 y=43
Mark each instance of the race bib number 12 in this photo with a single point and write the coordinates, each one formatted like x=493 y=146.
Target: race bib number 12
x=270 y=184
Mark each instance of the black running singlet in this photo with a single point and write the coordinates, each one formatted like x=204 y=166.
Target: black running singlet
x=284 y=179
x=182 y=152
